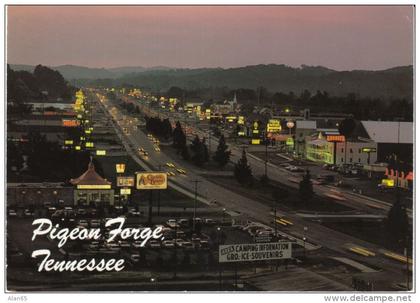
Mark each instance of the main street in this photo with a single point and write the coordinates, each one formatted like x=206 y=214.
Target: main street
x=316 y=234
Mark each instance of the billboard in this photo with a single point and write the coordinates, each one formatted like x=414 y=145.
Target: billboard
x=273 y=126
x=152 y=180
x=255 y=252
x=125 y=181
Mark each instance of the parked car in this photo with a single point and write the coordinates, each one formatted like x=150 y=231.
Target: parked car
x=154 y=244
x=172 y=223
x=168 y=243
x=12 y=213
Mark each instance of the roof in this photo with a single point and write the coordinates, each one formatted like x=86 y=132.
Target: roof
x=90 y=177
x=389 y=131
x=305 y=124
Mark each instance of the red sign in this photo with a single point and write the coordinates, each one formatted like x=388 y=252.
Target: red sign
x=335 y=138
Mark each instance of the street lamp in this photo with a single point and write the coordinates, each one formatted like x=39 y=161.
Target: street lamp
x=305 y=229
x=220 y=267
x=56 y=197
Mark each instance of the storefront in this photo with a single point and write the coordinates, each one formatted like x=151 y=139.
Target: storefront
x=92 y=190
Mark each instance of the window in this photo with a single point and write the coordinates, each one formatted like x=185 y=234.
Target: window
x=342 y=150
x=351 y=150
x=359 y=160
x=342 y=160
x=351 y=160
x=360 y=150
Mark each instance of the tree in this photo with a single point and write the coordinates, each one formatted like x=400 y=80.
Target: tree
x=397 y=224
x=206 y=155
x=185 y=153
x=179 y=138
x=346 y=128
x=198 y=149
x=305 y=187
x=222 y=154
x=243 y=172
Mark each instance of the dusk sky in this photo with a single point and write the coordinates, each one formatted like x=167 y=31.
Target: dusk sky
x=342 y=38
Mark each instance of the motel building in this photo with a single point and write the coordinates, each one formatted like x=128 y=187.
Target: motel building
x=329 y=147
x=92 y=189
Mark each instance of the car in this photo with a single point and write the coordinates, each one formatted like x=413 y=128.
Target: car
x=209 y=221
x=83 y=223
x=183 y=222
x=135 y=258
x=179 y=242
x=28 y=213
x=113 y=246
x=168 y=243
x=154 y=244
x=204 y=244
x=136 y=244
x=187 y=245
x=169 y=164
x=95 y=223
x=172 y=223
x=157 y=148
x=134 y=213
x=181 y=171
x=295 y=169
x=170 y=174
x=12 y=213
x=124 y=244
x=196 y=242
x=81 y=212
x=51 y=210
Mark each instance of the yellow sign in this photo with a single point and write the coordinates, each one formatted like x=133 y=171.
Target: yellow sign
x=86 y=186
x=68 y=142
x=89 y=144
x=120 y=168
x=77 y=147
x=256 y=141
x=388 y=182
x=241 y=120
x=273 y=126
x=125 y=181
x=152 y=180
x=101 y=152
x=125 y=191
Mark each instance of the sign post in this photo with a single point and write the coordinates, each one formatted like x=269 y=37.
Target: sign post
x=151 y=181
x=255 y=252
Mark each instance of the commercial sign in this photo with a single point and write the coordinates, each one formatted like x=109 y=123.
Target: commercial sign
x=120 y=168
x=273 y=126
x=388 y=182
x=101 y=152
x=125 y=181
x=255 y=141
x=125 y=191
x=255 y=252
x=335 y=138
x=152 y=180
x=70 y=123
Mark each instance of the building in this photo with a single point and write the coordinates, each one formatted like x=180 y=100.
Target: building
x=330 y=148
x=92 y=189
x=392 y=137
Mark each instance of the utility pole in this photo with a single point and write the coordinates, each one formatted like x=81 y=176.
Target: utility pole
x=195 y=201
x=158 y=201
x=266 y=157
